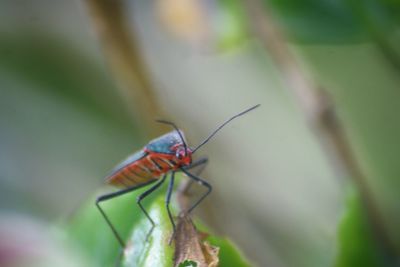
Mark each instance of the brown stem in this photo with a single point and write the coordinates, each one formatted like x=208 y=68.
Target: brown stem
x=319 y=111
x=189 y=244
x=125 y=60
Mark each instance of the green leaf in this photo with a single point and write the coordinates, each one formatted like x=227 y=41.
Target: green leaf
x=229 y=254
x=91 y=235
x=149 y=247
x=317 y=20
x=94 y=238
x=324 y=21
x=357 y=246
x=188 y=263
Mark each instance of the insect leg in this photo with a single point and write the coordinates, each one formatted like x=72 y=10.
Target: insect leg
x=114 y=195
x=201 y=182
x=202 y=162
x=168 y=199
x=145 y=194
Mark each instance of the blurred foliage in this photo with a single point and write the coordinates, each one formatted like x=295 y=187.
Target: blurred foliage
x=232 y=26
x=357 y=245
x=365 y=89
x=362 y=76
x=49 y=63
x=58 y=113
x=315 y=21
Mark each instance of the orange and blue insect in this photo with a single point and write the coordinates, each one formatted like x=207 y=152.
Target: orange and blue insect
x=161 y=157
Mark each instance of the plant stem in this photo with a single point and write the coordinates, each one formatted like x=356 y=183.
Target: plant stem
x=123 y=54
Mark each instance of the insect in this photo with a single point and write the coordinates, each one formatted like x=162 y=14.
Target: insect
x=152 y=165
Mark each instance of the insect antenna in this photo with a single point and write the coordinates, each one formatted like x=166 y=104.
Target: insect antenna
x=179 y=132
x=222 y=125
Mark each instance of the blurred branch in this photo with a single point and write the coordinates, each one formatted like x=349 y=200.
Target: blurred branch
x=121 y=48
x=318 y=108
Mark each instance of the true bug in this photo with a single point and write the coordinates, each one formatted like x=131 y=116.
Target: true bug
x=160 y=157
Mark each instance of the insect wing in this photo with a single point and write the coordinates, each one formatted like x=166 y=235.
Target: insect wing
x=131 y=159
x=164 y=143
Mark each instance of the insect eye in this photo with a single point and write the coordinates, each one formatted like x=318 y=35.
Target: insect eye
x=179 y=154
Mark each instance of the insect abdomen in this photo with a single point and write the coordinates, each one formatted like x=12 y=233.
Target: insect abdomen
x=141 y=171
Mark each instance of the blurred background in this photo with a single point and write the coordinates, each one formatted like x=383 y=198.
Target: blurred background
x=310 y=178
